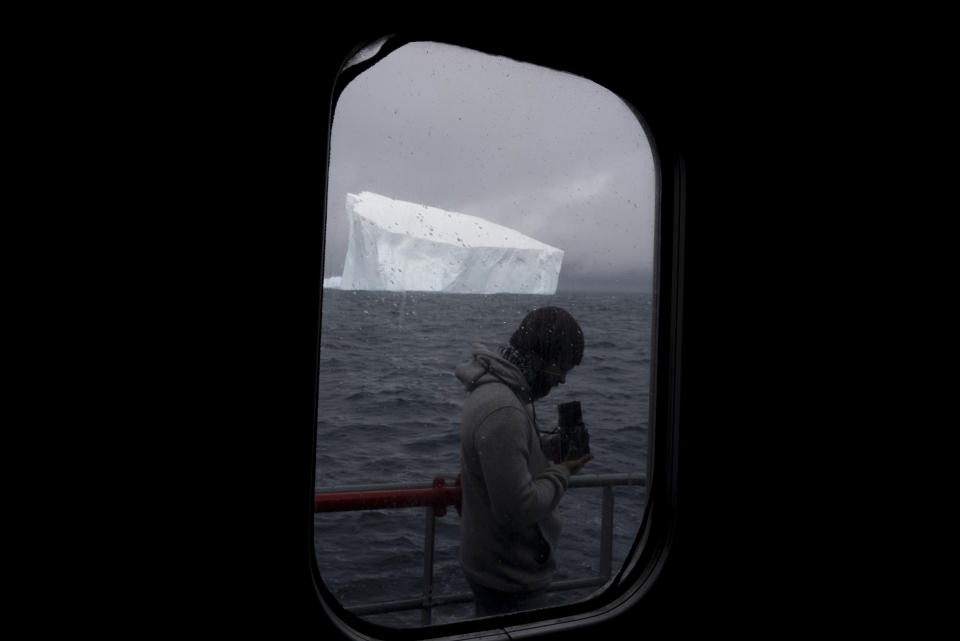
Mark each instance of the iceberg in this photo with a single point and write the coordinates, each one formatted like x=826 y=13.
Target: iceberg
x=395 y=245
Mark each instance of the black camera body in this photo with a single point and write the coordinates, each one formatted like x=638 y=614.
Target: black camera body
x=574 y=438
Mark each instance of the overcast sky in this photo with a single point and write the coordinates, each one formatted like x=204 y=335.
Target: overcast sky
x=552 y=155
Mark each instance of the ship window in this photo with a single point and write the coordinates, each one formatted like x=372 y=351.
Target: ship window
x=465 y=190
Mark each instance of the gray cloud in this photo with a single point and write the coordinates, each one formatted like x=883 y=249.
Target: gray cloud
x=553 y=155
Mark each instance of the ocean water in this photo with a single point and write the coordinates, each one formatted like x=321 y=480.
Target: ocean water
x=389 y=412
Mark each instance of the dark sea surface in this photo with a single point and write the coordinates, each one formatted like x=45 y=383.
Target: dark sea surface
x=389 y=412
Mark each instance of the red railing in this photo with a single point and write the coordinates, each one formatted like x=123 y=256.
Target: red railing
x=439 y=497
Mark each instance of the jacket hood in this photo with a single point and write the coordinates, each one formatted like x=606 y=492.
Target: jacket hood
x=490 y=367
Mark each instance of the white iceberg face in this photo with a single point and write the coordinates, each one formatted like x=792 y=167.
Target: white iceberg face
x=400 y=246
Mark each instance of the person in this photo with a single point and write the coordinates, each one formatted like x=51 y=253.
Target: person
x=510 y=487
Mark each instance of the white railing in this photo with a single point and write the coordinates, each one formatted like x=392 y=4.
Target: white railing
x=435 y=498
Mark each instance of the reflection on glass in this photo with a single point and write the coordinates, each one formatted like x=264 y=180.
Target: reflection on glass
x=548 y=156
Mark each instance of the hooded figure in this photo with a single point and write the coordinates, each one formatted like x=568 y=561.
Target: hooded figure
x=510 y=487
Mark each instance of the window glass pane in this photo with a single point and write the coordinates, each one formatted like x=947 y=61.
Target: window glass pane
x=467 y=190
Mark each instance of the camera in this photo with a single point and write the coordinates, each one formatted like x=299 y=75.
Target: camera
x=574 y=438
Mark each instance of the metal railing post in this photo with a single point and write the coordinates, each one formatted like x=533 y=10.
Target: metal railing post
x=606 y=532
x=426 y=613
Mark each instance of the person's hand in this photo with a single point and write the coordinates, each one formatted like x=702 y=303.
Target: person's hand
x=576 y=464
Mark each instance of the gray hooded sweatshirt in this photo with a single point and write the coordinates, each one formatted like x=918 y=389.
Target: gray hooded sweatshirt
x=509 y=530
